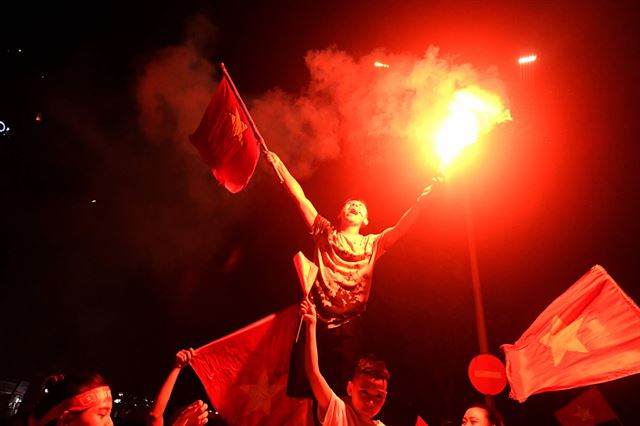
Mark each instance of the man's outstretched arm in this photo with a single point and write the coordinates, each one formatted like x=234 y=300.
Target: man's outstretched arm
x=307 y=209
x=319 y=385
x=394 y=233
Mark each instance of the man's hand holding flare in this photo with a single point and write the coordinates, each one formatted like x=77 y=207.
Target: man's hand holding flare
x=436 y=183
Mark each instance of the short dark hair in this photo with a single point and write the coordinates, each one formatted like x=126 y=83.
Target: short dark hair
x=493 y=415
x=58 y=387
x=354 y=198
x=372 y=366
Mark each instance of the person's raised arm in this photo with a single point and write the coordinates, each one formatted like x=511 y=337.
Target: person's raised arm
x=394 y=233
x=182 y=360
x=307 y=209
x=319 y=385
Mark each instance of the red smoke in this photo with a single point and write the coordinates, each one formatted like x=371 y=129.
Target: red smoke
x=353 y=109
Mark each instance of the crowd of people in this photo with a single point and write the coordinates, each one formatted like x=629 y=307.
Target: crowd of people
x=86 y=400
x=326 y=364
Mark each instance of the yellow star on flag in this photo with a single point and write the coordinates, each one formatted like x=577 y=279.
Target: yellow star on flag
x=583 y=414
x=238 y=126
x=564 y=340
x=260 y=394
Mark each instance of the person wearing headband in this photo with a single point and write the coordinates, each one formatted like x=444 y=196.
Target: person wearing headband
x=74 y=400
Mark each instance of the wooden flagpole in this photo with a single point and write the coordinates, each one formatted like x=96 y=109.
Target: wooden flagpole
x=246 y=113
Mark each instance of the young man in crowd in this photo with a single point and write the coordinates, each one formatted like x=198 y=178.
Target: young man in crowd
x=366 y=390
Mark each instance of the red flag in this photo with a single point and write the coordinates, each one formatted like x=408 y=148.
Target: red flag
x=245 y=373
x=421 y=422
x=588 y=409
x=588 y=335
x=226 y=140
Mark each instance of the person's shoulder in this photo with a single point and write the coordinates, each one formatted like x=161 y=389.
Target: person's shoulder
x=321 y=225
x=336 y=411
x=373 y=237
x=322 y=221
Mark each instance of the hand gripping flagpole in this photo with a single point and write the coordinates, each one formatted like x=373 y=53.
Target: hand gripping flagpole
x=246 y=113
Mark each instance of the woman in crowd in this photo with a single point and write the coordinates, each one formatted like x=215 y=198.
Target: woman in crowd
x=482 y=415
x=74 y=400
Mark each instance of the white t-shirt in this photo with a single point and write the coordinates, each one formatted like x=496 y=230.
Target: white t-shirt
x=341 y=414
x=345 y=270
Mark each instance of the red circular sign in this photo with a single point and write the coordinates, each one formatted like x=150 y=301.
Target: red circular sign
x=487 y=374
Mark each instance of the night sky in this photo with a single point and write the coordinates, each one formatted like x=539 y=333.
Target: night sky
x=119 y=247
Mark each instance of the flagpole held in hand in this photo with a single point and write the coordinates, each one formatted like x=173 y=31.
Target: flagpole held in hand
x=307 y=272
x=299 y=328
x=246 y=112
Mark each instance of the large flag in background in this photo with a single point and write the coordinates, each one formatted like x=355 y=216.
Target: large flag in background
x=588 y=335
x=245 y=374
x=588 y=409
x=226 y=140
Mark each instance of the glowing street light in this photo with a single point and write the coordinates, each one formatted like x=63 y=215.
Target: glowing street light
x=527 y=59
x=526 y=67
x=379 y=64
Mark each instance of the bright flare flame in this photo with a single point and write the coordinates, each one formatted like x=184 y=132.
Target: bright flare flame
x=459 y=131
x=527 y=59
x=472 y=113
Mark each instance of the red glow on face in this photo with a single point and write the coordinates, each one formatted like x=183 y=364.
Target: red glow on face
x=367 y=395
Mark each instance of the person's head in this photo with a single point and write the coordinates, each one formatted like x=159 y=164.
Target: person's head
x=74 y=400
x=481 y=415
x=353 y=213
x=368 y=386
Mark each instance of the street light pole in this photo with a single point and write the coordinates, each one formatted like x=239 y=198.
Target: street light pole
x=481 y=326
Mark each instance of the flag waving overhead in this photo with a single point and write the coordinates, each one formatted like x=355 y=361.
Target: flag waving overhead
x=245 y=373
x=588 y=335
x=226 y=139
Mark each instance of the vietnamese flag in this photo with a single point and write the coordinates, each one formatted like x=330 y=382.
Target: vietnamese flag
x=226 y=140
x=420 y=422
x=588 y=409
x=588 y=335
x=245 y=373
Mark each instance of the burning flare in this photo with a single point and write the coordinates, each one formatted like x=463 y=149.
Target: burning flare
x=472 y=113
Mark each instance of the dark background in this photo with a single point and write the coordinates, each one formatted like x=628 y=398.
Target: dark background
x=165 y=258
